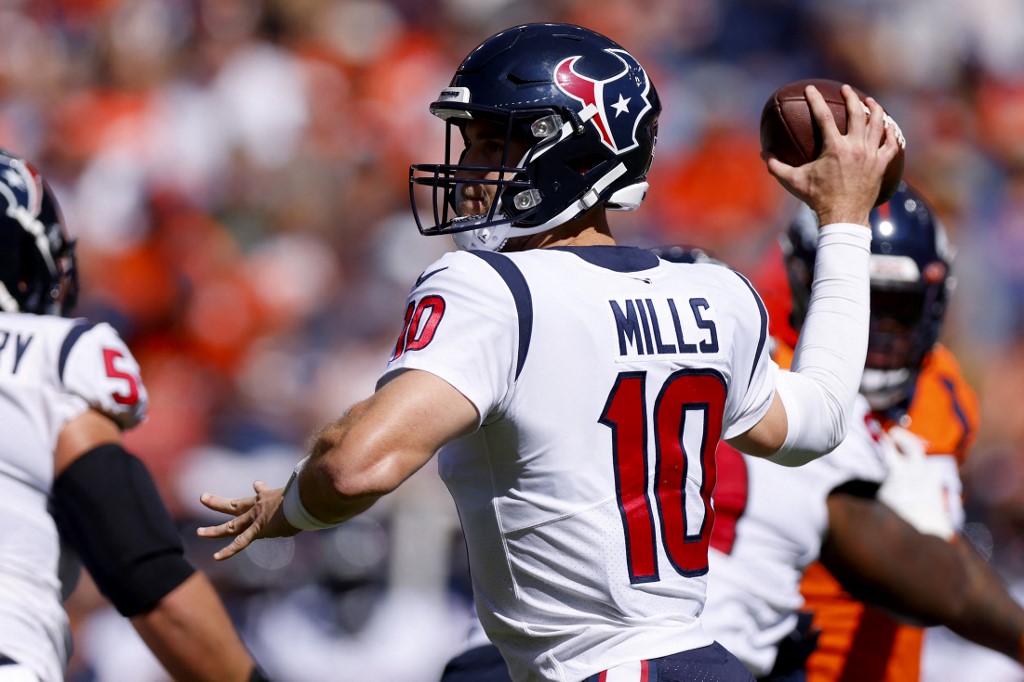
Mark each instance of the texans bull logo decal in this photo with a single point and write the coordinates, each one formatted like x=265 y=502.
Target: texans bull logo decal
x=22 y=187
x=614 y=105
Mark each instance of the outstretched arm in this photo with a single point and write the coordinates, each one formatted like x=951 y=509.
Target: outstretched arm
x=991 y=617
x=192 y=636
x=882 y=560
x=354 y=461
x=812 y=405
x=108 y=509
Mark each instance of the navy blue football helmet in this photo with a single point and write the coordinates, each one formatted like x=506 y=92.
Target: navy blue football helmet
x=911 y=283
x=37 y=257
x=587 y=111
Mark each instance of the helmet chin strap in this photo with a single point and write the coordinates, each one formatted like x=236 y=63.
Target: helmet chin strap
x=493 y=238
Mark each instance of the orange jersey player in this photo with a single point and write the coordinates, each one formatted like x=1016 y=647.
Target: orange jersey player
x=861 y=643
x=914 y=383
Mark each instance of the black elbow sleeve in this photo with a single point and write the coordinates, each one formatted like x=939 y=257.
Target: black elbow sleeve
x=108 y=509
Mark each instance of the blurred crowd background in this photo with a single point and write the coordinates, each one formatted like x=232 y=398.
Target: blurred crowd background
x=236 y=173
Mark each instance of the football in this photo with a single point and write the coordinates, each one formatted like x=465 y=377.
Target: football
x=789 y=131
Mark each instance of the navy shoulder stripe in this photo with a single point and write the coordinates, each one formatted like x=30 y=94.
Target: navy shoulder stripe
x=520 y=290
x=961 y=416
x=764 y=325
x=69 y=342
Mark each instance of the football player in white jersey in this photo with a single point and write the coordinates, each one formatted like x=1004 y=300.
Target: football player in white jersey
x=771 y=523
x=67 y=391
x=579 y=388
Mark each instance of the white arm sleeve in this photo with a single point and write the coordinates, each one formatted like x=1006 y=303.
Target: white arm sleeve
x=819 y=392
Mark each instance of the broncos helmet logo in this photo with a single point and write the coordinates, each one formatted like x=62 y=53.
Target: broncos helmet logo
x=614 y=105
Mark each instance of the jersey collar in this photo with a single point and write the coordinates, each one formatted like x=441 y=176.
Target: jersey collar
x=616 y=258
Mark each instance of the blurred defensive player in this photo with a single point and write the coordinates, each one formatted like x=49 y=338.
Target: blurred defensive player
x=914 y=385
x=67 y=390
x=579 y=388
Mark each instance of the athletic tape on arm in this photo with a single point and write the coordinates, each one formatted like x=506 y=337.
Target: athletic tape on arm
x=819 y=392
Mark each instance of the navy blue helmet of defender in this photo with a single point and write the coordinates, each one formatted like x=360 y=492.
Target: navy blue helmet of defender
x=911 y=282
x=587 y=110
x=37 y=257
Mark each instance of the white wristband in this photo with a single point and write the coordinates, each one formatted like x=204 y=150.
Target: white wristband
x=294 y=511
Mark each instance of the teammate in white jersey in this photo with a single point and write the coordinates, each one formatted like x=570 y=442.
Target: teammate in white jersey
x=67 y=391
x=579 y=388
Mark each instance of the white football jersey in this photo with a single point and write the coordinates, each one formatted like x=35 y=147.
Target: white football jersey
x=52 y=369
x=604 y=378
x=771 y=521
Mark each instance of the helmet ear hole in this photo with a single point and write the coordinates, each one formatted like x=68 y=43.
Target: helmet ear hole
x=585 y=164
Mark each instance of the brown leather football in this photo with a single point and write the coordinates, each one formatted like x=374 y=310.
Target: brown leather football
x=789 y=131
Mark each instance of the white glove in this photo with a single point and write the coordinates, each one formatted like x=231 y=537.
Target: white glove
x=914 y=489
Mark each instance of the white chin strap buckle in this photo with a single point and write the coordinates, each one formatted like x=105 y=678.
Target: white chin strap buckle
x=482 y=239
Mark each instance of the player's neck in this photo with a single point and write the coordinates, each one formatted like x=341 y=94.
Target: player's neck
x=590 y=236
x=590 y=229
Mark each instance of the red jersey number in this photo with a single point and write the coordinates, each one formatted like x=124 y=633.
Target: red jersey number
x=687 y=418
x=421 y=320
x=131 y=396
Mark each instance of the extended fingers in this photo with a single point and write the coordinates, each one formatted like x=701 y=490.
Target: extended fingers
x=261 y=487
x=241 y=508
x=237 y=545
x=876 y=125
x=227 y=505
x=251 y=516
x=857 y=114
x=821 y=112
x=233 y=505
x=232 y=527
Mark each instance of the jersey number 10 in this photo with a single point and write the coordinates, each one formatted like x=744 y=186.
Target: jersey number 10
x=687 y=420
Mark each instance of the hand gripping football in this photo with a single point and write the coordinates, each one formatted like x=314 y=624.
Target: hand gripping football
x=789 y=131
